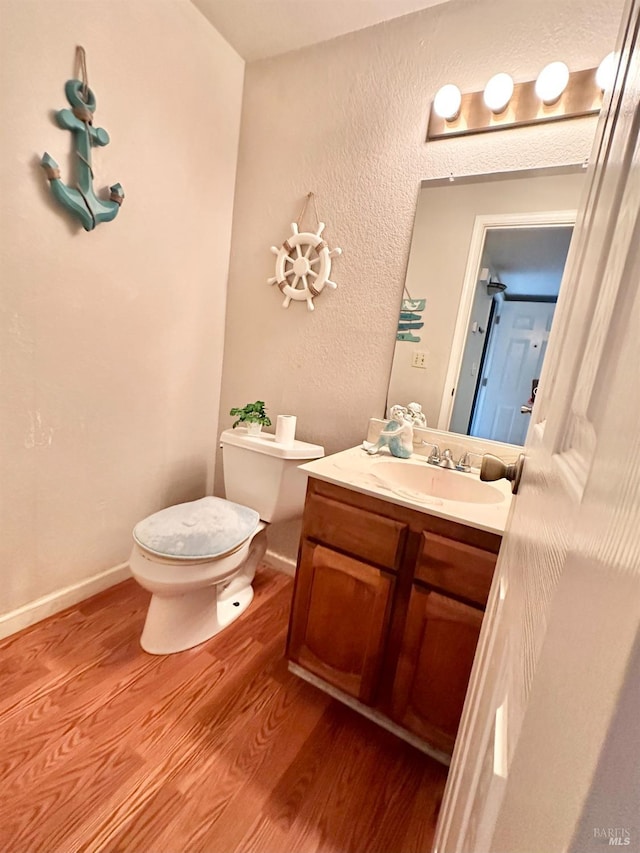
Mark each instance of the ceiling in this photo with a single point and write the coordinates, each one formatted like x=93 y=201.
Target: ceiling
x=261 y=28
x=528 y=260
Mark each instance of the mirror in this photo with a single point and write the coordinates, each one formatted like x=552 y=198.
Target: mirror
x=485 y=265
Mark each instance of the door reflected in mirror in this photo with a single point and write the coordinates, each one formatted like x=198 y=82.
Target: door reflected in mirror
x=485 y=268
x=513 y=303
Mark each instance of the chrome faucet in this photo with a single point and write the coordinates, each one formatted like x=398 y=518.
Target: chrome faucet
x=446 y=460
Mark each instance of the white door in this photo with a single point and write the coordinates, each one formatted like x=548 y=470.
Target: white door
x=515 y=355
x=548 y=753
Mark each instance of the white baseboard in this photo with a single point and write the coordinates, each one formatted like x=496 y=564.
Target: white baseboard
x=54 y=602
x=280 y=563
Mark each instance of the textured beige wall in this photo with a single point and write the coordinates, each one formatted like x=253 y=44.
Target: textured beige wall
x=347 y=119
x=111 y=340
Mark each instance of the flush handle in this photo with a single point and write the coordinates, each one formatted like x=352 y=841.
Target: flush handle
x=494 y=468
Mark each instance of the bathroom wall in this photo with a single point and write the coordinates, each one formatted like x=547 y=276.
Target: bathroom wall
x=347 y=119
x=111 y=341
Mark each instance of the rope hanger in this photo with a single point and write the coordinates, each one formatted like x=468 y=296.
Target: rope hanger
x=310 y=197
x=81 y=70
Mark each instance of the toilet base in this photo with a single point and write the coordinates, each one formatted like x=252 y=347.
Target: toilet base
x=179 y=621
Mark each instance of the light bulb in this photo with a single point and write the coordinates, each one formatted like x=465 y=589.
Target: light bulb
x=498 y=92
x=447 y=102
x=552 y=81
x=606 y=73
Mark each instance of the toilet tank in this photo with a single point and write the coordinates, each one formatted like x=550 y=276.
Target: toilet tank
x=262 y=474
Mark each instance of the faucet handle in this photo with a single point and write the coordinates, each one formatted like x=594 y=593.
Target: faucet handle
x=434 y=456
x=464 y=463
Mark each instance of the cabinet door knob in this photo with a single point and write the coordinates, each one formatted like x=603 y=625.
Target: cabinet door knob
x=493 y=468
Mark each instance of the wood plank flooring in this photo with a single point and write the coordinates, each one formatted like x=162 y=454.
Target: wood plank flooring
x=218 y=749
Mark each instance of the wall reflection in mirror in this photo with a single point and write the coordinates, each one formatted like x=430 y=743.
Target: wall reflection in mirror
x=484 y=272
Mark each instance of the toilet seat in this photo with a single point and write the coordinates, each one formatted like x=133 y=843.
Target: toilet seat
x=197 y=531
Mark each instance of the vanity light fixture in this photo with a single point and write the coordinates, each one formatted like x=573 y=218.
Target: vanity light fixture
x=606 y=73
x=551 y=82
x=446 y=103
x=556 y=94
x=498 y=92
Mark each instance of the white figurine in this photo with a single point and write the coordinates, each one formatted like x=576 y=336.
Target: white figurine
x=414 y=410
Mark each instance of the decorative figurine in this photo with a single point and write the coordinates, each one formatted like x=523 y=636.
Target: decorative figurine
x=303 y=262
x=414 y=410
x=81 y=200
x=397 y=435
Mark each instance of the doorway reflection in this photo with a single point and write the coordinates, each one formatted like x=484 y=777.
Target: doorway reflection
x=517 y=288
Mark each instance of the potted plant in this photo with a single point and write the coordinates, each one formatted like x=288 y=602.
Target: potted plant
x=253 y=416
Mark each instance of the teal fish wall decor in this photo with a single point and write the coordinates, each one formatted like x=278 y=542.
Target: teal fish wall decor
x=81 y=200
x=413 y=304
x=410 y=320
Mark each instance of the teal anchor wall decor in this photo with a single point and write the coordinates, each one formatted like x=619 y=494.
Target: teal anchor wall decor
x=82 y=200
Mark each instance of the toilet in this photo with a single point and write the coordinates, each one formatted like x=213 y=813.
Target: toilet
x=198 y=559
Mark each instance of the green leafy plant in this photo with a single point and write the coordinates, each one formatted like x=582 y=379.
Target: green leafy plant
x=252 y=413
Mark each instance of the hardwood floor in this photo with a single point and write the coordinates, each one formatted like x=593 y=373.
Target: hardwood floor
x=218 y=749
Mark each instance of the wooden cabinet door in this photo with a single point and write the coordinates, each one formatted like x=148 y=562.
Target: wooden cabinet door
x=339 y=619
x=433 y=669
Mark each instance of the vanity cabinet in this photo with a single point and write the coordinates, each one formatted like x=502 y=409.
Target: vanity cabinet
x=387 y=608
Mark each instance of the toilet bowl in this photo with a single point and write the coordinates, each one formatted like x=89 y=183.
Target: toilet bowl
x=198 y=559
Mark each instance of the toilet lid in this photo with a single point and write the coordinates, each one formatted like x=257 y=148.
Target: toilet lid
x=206 y=528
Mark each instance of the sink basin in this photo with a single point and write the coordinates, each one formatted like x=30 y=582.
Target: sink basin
x=421 y=480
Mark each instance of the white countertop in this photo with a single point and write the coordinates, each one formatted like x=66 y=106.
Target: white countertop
x=355 y=469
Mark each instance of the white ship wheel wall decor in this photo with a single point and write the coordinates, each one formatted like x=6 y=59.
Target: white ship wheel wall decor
x=303 y=264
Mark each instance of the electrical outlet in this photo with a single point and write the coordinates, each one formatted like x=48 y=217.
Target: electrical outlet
x=419 y=359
